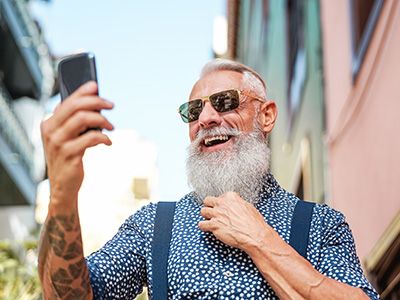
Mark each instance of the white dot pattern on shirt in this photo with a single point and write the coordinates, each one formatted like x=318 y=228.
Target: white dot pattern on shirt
x=201 y=267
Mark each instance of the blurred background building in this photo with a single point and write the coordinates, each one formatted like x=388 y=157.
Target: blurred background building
x=333 y=68
x=26 y=83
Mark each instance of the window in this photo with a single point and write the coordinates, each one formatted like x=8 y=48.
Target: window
x=264 y=26
x=364 y=14
x=296 y=55
x=252 y=32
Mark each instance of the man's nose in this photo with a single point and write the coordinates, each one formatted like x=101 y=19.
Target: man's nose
x=209 y=117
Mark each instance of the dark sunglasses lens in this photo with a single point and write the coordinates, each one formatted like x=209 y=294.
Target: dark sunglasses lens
x=225 y=101
x=190 y=111
x=183 y=111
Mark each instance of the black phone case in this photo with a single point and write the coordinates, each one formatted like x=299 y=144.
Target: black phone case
x=75 y=70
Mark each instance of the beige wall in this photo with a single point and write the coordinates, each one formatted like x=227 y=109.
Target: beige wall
x=363 y=121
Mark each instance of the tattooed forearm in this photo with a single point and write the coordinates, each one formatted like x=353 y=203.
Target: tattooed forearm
x=62 y=280
x=62 y=267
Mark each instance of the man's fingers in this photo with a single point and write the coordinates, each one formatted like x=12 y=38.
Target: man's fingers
x=89 y=87
x=71 y=105
x=207 y=212
x=208 y=225
x=80 y=122
x=84 y=98
x=87 y=140
x=210 y=201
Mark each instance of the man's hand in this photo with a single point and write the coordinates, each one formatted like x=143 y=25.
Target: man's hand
x=62 y=267
x=233 y=221
x=64 y=144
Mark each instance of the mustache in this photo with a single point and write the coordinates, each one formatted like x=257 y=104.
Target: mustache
x=203 y=133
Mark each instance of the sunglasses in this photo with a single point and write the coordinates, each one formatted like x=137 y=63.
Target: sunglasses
x=222 y=102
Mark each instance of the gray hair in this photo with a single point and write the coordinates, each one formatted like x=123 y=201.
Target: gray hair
x=251 y=79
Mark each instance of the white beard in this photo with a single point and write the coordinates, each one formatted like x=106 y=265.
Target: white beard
x=241 y=168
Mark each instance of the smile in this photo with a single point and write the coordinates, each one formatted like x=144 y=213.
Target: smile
x=215 y=140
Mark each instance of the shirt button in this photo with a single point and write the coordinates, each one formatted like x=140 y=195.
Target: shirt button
x=228 y=274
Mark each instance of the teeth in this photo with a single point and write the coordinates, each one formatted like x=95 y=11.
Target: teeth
x=209 y=140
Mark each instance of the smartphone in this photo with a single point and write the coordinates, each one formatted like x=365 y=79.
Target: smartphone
x=75 y=70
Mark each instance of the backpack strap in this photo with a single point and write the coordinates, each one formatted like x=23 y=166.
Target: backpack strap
x=300 y=228
x=160 y=248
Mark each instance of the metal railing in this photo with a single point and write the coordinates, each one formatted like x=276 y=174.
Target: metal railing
x=13 y=132
x=31 y=44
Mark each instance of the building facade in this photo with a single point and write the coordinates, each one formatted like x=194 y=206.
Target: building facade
x=26 y=82
x=331 y=66
x=361 y=96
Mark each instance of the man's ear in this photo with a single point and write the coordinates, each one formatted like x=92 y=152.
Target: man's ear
x=267 y=116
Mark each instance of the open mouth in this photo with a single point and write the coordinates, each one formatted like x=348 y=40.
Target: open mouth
x=216 y=140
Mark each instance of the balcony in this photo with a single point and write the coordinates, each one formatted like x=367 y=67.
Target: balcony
x=26 y=66
x=16 y=157
x=27 y=80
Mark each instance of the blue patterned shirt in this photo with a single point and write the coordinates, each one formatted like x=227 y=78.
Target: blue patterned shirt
x=202 y=267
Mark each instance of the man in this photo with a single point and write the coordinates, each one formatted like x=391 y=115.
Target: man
x=230 y=235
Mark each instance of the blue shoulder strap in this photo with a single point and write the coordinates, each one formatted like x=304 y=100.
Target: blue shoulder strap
x=300 y=228
x=160 y=249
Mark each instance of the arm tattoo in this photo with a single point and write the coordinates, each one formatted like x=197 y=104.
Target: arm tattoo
x=63 y=268
x=56 y=237
x=57 y=227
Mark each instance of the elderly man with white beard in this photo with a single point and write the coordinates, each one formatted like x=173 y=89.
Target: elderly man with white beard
x=231 y=238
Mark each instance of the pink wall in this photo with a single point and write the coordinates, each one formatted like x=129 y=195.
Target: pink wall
x=363 y=122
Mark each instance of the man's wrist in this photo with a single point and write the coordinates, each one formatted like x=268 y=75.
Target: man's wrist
x=62 y=203
x=261 y=243
x=268 y=244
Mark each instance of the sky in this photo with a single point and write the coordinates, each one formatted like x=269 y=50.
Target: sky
x=148 y=55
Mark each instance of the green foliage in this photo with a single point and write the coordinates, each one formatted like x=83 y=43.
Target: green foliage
x=18 y=271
